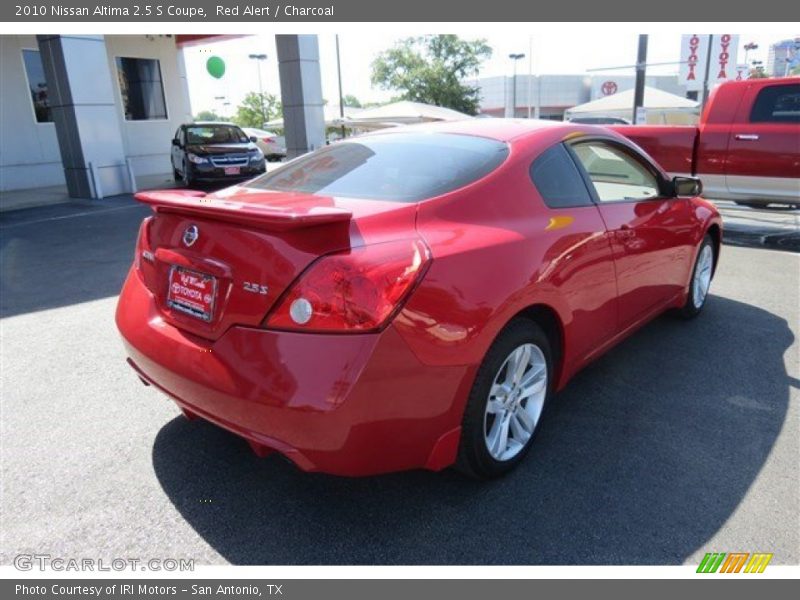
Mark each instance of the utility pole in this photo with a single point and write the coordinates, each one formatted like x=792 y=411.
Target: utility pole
x=530 y=74
x=259 y=58
x=641 y=65
x=514 y=58
x=341 y=97
x=708 y=69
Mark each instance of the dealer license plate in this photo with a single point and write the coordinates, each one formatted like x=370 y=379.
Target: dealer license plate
x=192 y=293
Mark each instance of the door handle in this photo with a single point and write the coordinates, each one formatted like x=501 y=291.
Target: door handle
x=625 y=232
x=747 y=137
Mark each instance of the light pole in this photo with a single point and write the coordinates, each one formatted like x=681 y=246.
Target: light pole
x=514 y=58
x=339 y=74
x=260 y=58
x=747 y=48
x=222 y=103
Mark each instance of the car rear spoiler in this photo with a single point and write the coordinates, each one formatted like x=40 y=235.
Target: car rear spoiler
x=253 y=214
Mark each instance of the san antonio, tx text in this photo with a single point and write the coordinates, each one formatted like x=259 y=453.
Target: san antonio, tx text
x=130 y=589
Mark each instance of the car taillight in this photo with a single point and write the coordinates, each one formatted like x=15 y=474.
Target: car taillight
x=143 y=244
x=355 y=291
x=269 y=140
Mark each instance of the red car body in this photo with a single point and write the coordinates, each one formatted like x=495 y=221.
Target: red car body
x=392 y=398
x=746 y=146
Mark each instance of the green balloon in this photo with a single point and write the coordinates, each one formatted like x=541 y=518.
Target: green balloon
x=215 y=67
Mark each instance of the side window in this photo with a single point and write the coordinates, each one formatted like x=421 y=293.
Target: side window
x=558 y=180
x=777 y=104
x=616 y=175
x=177 y=135
x=37 y=85
x=141 y=88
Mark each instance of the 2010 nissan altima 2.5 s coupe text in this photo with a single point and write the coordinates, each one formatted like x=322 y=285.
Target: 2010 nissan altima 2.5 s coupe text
x=414 y=297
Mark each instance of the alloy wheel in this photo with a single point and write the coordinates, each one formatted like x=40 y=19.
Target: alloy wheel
x=515 y=402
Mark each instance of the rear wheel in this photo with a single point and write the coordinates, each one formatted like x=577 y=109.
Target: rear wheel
x=506 y=402
x=701 y=280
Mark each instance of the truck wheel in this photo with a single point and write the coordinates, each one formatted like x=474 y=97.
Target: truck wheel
x=752 y=204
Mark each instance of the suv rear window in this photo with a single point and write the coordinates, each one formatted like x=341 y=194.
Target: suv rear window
x=777 y=104
x=400 y=167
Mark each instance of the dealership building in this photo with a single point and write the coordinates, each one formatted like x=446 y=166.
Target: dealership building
x=94 y=115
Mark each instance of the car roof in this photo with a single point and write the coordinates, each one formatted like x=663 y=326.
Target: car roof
x=503 y=130
x=210 y=123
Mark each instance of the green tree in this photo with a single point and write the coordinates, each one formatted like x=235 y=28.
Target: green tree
x=208 y=115
x=432 y=69
x=351 y=101
x=758 y=73
x=256 y=109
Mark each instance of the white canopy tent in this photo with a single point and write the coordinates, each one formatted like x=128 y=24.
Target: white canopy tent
x=331 y=113
x=404 y=112
x=660 y=107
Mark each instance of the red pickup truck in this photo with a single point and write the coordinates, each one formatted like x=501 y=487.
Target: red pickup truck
x=746 y=147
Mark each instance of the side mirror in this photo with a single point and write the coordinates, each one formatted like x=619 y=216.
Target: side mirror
x=687 y=186
x=176 y=142
x=253 y=139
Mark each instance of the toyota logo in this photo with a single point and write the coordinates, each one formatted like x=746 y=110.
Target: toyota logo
x=609 y=88
x=190 y=235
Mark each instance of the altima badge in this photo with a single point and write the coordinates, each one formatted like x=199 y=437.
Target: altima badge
x=190 y=235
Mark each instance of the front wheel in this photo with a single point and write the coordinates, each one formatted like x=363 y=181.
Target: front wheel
x=506 y=401
x=186 y=178
x=701 y=280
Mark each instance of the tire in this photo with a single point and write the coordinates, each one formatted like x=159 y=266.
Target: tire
x=698 y=289
x=186 y=178
x=480 y=427
x=752 y=204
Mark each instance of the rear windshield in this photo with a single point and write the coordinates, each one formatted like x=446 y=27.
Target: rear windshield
x=215 y=134
x=402 y=167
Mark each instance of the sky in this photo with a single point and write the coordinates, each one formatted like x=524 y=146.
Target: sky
x=546 y=53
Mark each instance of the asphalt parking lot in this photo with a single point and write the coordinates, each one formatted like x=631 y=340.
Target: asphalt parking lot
x=683 y=440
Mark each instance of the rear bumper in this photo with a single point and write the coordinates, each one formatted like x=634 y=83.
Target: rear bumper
x=340 y=404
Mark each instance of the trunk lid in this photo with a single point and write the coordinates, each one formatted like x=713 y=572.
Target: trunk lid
x=213 y=261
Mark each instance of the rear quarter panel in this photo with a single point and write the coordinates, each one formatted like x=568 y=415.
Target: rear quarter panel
x=497 y=250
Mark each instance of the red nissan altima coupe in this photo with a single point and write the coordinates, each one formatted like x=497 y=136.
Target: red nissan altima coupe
x=411 y=298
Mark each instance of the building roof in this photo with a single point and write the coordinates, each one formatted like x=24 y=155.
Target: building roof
x=403 y=112
x=330 y=112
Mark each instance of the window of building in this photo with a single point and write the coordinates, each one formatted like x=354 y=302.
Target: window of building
x=141 y=88
x=777 y=104
x=616 y=175
x=558 y=180
x=34 y=69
